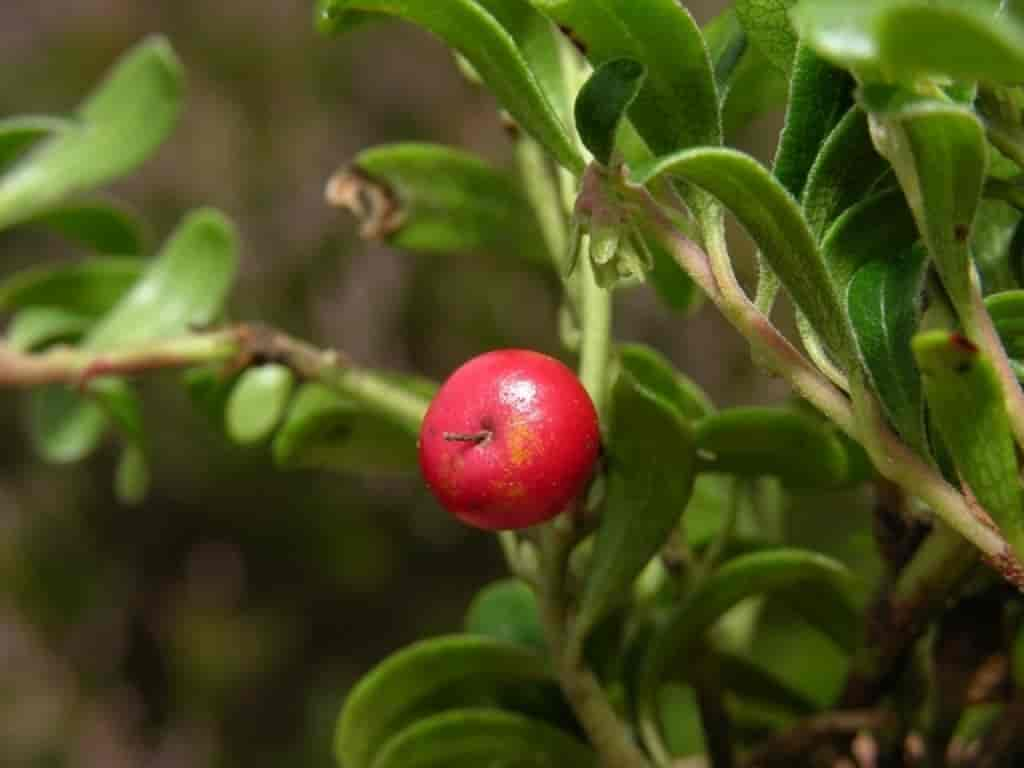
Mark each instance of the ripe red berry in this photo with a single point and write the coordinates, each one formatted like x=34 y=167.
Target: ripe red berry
x=509 y=440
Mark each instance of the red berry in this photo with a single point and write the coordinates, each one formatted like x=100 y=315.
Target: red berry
x=509 y=440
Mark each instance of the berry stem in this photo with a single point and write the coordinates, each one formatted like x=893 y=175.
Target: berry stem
x=468 y=437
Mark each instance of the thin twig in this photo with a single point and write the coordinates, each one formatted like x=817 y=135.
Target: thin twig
x=236 y=346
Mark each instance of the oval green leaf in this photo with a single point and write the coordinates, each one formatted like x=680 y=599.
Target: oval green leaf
x=540 y=44
x=676 y=644
x=403 y=688
x=91 y=287
x=115 y=129
x=803 y=450
x=185 y=285
x=433 y=199
x=38 y=326
x=468 y=738
x=939 y=153
x=651 y=463
x=883 y=301
x=326 y=429
x=773 y=218
x=872 y=229
x=476 y=34
x=507 y=610
x=19 y=133
x=602 y=102
x=844 y=172
x=99 y=226
x=655 y=373
x=966 y=403
x=257 y=402
x=677 y=107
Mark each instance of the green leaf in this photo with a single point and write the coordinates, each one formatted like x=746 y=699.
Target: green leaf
x=209 y=387
x=754 y=89
x=745 y=678
x=258 y=402
x=768 y=26
x=874 y=228
x=476 y=34
x=958 y=40
x=185 y=285
x=36 y=327
x=64 y=427
x=507 y=610
x=678 y=642
x=966 y=403
x=650 y=476
x=19 y=133
x=324 y=429
x=404 y=688
x=467 y=738
x=602 y=103
x=803 y=450
x=939 y=153
x=773 y=218
x=67 y=425
x=819 y=95
x=656 y=374
x=843 y=174
x=726 y=42
x=99 y=226
x=995 y=225
x=540 y=44
x=429 y=198
x=1007 y=312
x=679 y=718
x=89 y=288
x=883 y=300
x=677 y=107
x=131 y=481
x=115 y=129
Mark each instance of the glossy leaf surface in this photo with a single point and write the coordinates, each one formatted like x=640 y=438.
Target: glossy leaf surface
x=678 y=104
x=471 y=30
x=399 y=690
x=602 y=103
x=965 y=399
x=258 y=402
x=802 y=450
x=116 y=128
x=651 y=472
x=465 y=738
x=773 y=218
x=507 y=610
x=883 y=300
x=678 y=641
x=90 y=287
x=939 y=153
x=102 y=227
x=325 y=429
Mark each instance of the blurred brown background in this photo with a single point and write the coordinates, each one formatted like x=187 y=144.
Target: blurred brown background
x=221 y=623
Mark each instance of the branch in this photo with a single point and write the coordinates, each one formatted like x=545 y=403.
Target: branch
x=892 y=458
x=237 y=347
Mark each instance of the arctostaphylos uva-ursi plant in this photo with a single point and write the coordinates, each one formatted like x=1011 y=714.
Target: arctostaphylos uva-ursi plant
x=666 y=604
